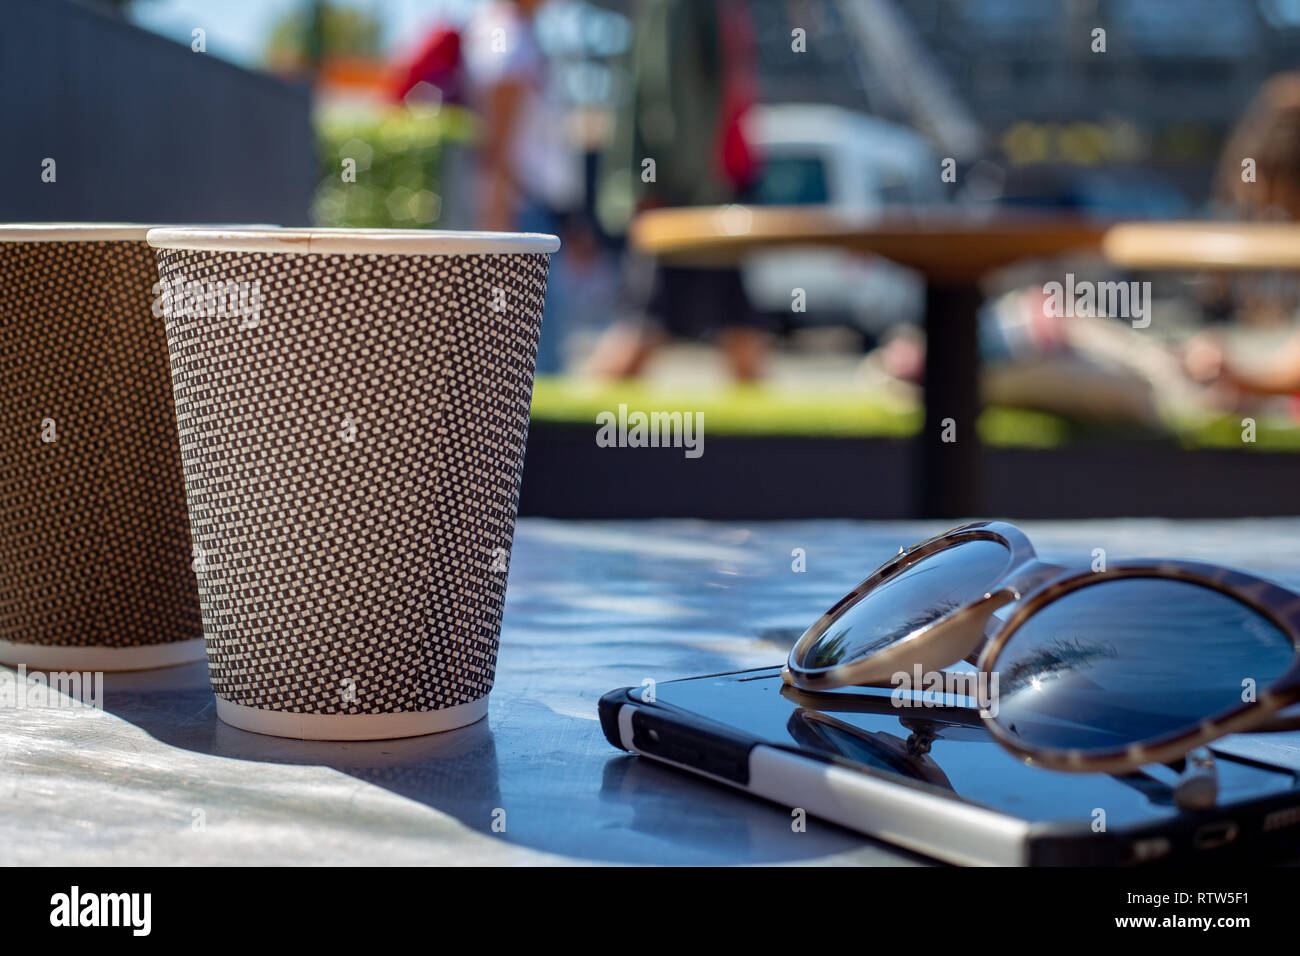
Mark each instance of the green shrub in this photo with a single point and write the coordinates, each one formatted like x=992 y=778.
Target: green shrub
x=841 y=412
x=398 y=154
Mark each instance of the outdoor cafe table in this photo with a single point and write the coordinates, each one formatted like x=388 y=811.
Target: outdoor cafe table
x=155 y=778
x=1204 y=245
x=953 y=254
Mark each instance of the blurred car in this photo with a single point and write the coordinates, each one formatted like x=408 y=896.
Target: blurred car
x=855 y=165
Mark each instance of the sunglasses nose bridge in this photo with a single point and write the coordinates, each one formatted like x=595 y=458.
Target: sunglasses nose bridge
x=1030 y=576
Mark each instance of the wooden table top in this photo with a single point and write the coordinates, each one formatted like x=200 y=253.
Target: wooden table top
x=1204 y=245
x=944 y=246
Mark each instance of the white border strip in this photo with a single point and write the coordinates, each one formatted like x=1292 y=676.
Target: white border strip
x=935 y=826
x=61 y=657
x=280 y=723
x=407 y=242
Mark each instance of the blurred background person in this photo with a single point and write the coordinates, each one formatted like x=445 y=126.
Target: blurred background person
x=528 y=169
x=528 y=176
x=1268 y=134
x=681 y=142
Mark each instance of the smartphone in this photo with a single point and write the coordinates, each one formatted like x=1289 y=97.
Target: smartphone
x=930 y=779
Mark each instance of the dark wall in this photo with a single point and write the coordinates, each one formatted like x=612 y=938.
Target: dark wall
x=141 y=128
x=566 y=475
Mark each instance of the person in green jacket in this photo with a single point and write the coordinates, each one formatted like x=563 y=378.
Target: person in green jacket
x=680 y=142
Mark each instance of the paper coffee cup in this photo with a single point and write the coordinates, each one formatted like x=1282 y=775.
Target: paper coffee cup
x=95 y=563
x=352 y=433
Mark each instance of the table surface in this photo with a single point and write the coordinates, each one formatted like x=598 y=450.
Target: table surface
x=1204 y=245
x=945 y=245
x=156 y=778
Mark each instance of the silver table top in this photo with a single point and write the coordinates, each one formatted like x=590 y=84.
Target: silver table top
x=157 y=779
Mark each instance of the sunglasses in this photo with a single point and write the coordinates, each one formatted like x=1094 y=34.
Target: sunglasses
x=1094 y=670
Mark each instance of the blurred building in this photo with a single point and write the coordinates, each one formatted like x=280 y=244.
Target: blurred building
x=1174 y=77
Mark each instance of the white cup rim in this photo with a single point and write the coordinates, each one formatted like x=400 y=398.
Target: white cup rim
x=345 y=241
x=74 y=231
x=99 y=231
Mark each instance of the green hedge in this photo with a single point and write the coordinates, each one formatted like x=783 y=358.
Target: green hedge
x=840 y=412
x=398 y=155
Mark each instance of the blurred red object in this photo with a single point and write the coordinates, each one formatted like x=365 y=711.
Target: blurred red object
x=437 y=62
x=738 y=158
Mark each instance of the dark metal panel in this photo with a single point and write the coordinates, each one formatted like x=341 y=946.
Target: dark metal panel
x=142 y=128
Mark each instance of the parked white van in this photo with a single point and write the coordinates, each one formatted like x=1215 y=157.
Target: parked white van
x=855 y=165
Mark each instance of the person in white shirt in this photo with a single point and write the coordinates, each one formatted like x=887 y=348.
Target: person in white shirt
x=528 y=167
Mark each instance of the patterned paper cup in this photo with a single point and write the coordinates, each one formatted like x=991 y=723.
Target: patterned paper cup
x=352 y=437
x=95 y=564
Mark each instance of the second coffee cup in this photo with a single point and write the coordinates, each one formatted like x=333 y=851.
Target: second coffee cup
x=352 y=408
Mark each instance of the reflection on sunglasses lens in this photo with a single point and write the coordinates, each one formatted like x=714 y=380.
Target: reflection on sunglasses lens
x=917 y=596
x=1131 y=659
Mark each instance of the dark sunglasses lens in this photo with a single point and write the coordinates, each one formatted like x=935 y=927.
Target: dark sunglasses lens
x=1131 y=659
x=912 y=598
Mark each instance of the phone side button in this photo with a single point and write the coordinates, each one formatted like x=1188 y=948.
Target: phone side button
x=1214 y=835
x=717 y=753
x=1149 y=848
